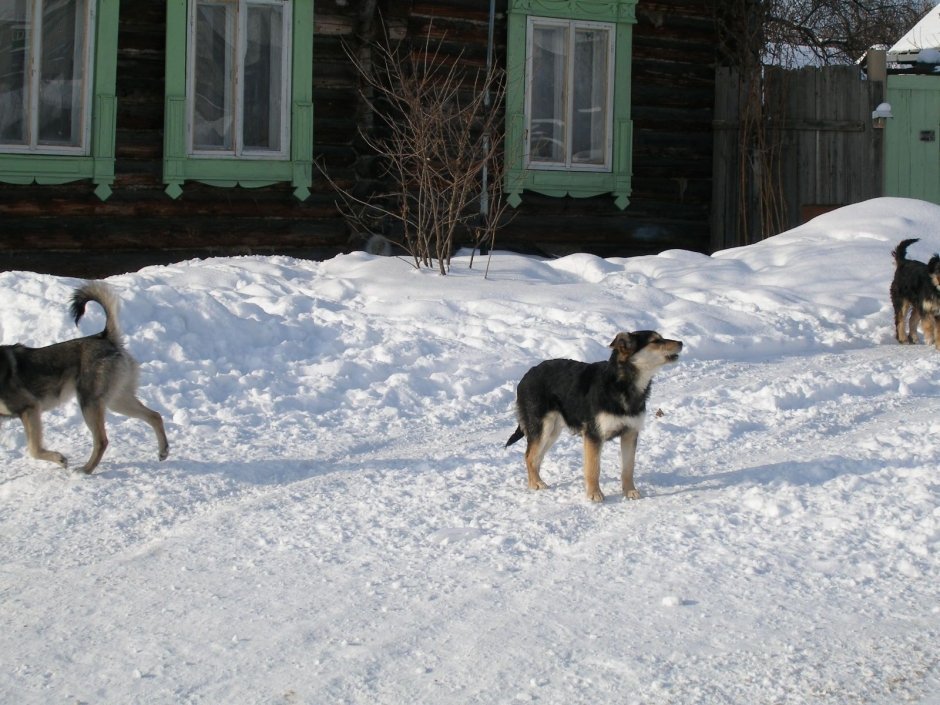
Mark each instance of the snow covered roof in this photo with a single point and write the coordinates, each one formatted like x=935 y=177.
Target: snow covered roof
x=924 y=35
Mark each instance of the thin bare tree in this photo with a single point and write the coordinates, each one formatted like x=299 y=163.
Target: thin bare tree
x=791 y=33
x=836 y=31
x=438 y=127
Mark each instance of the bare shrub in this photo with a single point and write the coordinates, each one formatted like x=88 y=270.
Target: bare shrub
x=438 y=129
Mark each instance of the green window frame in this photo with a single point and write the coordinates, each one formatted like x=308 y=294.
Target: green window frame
x=183 y=162
x=93 y=157
x=565 y=173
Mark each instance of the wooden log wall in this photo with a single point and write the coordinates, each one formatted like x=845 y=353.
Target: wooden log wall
x=68 y=230
x=674 y=59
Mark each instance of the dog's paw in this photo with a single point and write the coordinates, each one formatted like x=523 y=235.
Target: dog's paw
x=539 y=485
x=595 y=495
x=631 y=494
x=164 y=453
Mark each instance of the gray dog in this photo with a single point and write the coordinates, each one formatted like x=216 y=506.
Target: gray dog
x=97 y=369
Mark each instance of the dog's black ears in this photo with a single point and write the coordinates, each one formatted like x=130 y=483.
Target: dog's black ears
x=933 y=265
x=624 y=346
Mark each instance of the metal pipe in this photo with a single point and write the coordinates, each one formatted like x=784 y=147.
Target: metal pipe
x=485 y=194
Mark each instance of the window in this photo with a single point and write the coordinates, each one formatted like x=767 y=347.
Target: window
x=239 y=108
x=568 y=110
x=238 y=78
x=57 y=105
x=44 y=99
x=568 y=129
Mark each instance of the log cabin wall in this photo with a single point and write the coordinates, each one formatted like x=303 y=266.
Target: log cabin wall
x=67 y=229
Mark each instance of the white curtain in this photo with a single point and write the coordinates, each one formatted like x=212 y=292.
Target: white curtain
x=61 y=72
x=214 y=75
x=547 y=116
x=589 y=108
x=43 y=67
x=239 y=69
x=263 y=78
x=15 y=27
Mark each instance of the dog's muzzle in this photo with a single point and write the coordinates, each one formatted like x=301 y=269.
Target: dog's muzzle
x=673 y=357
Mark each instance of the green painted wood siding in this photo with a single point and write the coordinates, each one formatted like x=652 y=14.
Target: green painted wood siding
x=912 y=138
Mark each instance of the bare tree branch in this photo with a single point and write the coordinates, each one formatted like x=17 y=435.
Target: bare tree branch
x=787 y=32
x=438 y=124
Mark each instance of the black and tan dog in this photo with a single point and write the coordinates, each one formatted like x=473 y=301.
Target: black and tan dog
x=600 y=400
x=97 y=369
x=915 y=290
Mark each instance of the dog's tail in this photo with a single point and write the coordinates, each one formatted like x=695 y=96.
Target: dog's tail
x=516 y=435
x=104 y=296
x=900 y=252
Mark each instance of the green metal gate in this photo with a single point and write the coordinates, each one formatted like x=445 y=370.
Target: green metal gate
x=912 y=138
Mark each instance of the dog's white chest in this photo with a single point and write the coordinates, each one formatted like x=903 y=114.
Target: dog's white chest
x=612 y=425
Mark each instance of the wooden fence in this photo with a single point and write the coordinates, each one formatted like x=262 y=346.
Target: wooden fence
x=798 y=144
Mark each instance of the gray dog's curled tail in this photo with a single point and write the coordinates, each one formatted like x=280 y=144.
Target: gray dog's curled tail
x=103 y=295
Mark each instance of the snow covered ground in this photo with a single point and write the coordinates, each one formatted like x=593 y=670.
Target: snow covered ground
x=339 y=522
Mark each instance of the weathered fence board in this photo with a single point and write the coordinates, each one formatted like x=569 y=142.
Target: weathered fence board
x=814 y=149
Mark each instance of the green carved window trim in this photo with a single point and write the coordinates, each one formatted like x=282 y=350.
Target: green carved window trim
x=179 y=166
x=570 y=182
x=98 y=164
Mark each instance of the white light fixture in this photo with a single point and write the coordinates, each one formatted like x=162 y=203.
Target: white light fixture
x=880 y=115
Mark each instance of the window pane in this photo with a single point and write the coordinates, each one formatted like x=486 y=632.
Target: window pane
x=263 y=77
x=61 y=76
x=590 y=109
x=213 y=109
x=547 y=110
x=14 y=48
